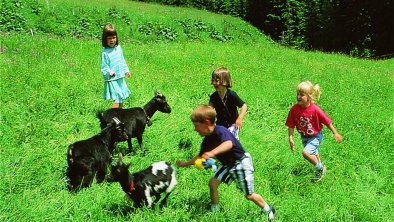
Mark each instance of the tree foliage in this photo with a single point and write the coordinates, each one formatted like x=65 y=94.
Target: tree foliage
x=358 y=28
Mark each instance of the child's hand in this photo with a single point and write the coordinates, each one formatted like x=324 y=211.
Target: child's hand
x=238 y=123
x=338 y=137
x=207 y=155
x=128 y=74
x=111 y=74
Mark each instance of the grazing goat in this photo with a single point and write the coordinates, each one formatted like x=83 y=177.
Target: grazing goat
x=135 y=119
x=141 y=186
x=87 y=157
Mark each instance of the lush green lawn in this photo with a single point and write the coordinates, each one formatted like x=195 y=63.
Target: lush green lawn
x=50 y=90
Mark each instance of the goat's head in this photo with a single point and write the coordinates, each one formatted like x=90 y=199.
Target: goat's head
x=76 y=178
x=119 y=130
x=75 y=172
x=161 y=103
x=119 y=170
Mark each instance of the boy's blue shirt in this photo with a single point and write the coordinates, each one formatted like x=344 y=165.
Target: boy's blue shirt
x=219 y=135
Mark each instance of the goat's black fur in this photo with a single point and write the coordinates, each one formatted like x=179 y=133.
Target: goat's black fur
x=88 y=157
x=143 y=185
x=135 y=119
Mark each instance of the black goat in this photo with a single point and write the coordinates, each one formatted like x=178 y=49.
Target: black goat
x=135 y=119
x=143 y=185
x=87 y=157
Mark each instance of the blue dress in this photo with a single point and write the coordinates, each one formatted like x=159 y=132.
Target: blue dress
x=115 y=87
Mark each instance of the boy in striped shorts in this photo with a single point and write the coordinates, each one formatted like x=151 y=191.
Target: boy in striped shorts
x=236 y=163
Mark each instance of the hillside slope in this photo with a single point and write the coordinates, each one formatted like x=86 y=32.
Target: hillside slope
x=51 y=88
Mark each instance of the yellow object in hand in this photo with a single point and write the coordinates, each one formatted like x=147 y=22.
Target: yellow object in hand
x=199 y=163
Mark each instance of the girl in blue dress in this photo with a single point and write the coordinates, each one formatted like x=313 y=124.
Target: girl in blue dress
x=114 y=68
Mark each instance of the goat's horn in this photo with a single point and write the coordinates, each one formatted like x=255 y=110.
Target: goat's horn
x=157 y=93
x=116 y=120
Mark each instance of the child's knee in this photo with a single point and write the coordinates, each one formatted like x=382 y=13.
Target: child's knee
x=305 y=154
x=250 y=197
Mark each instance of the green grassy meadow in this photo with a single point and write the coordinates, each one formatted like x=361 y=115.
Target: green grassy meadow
x=51 y=88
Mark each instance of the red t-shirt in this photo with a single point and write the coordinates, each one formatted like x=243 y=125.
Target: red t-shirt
x=308 y=121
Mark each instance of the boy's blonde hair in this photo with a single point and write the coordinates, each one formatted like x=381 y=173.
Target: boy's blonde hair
x=203 y=113
x=109 y=30
x=309 y=89
x=223 y=75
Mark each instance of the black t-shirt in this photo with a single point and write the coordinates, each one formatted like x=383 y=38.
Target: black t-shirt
x=226 y=110
x=219 y=135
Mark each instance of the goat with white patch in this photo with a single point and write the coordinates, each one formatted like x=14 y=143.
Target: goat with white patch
x=143 y=185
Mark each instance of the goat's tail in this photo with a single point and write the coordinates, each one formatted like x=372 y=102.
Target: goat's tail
x=100 y=116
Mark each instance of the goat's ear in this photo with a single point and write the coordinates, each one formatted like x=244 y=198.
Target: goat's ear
x=120 y=157
x=70 y=152
x=70 y=155
x=158 y=93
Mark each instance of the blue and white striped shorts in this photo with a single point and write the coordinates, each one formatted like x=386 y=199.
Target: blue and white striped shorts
x=241 y=172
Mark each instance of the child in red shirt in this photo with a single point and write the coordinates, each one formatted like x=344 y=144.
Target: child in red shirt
x=308 y=119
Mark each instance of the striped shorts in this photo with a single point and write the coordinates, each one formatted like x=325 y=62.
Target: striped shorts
x=241 y=172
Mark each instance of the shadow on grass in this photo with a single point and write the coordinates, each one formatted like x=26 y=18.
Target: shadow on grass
x=120 y=209
x=200 y=205
x=127 y=207
x=301 y=169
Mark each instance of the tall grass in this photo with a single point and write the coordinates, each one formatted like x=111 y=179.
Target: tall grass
x=50 y=90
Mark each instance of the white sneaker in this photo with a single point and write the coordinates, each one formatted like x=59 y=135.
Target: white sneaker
x=214 y=208
x=272 y=214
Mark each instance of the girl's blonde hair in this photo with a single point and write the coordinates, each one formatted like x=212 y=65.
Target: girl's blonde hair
x=202 y=113
x=223 y=75
x=108 y=30
x=306 y=87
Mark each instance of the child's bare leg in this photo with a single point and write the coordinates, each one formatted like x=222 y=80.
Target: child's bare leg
x=117 y=105
x=213 y=190
x=257 y=199
x=313 y=159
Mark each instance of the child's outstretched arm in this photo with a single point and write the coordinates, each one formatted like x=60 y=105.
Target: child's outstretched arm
x=291 y=140
x=223 y=147
x=242 y=113
x=337 y=136
x=187 y=163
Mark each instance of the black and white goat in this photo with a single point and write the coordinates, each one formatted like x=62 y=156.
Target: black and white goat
x=89 y=157
x=143 y=185
x=135 y=119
